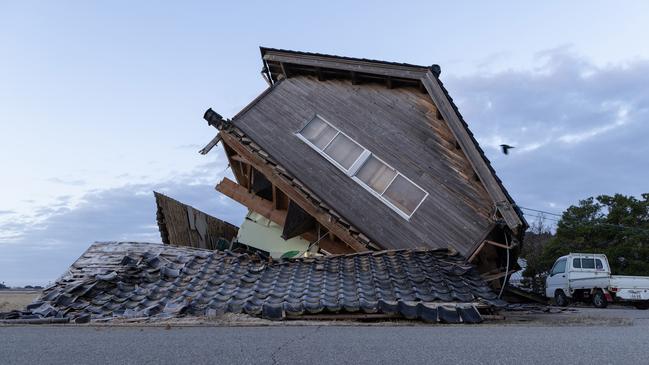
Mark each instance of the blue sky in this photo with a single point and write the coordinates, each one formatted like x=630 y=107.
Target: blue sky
x=100 y=103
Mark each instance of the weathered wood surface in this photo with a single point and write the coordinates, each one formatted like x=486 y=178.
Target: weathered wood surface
x=467 y=144
x=370 y=67
x=401 y=127
x=205 y=150
x=183 y=225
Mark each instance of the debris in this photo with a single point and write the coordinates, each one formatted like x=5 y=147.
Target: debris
x=431 y=285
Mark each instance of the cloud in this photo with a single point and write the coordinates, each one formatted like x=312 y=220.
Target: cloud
x=36 y=252
x=191 y=146
x=6 y=212
x=72 y=182
x=579 y=129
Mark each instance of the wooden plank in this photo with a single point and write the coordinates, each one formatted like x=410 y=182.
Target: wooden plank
x=476 y=252
x=240 y=194
x=285 y=186
x=498 y=244
x=205 y=150
x=502 y=203
x=240 y=159
x=234 y=164
x=265 y=207
x=398 y=71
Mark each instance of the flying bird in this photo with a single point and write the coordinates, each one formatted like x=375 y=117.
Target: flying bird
x=506 y=148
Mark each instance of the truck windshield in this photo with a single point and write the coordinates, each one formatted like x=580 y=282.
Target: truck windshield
x=559 y=267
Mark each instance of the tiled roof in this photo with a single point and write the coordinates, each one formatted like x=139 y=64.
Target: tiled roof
x=130 y=280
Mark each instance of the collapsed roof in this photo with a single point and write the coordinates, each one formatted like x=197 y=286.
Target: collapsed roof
x=142 y=280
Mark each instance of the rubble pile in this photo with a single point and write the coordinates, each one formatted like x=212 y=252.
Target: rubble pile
x=142 y=280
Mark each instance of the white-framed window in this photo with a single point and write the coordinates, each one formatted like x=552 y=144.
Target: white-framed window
x=389 y=185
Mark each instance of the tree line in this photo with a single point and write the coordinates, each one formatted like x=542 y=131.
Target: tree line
x=617 y=226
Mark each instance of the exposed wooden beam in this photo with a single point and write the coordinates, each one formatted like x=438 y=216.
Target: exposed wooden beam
x=355 y=80
x=240 y=159
x=324 y=218
x=284 y=69
x=274 y=197
x=249 y=177
x=260 y=205
x=476 y=252
x=318 y=71
x=205 y=150
x=501 y=245
x=265 y=207
x=477 y=161
x=234 y=165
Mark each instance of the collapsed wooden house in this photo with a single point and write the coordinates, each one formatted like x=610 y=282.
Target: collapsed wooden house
x=351 y=155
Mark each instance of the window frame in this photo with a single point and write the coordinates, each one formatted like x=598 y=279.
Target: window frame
x=358 y=163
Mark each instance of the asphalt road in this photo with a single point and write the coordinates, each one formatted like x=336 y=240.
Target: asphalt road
x=462 y=344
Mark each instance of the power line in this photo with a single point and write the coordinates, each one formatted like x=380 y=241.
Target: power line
x=541 y=211
x=541 y=217
x=576 y=224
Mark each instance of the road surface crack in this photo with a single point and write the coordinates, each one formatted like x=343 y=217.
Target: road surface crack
x=277 y=351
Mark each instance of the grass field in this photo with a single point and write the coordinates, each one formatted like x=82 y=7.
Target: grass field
x=16 y=299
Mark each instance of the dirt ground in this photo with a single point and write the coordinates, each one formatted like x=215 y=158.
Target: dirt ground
x=16 y=299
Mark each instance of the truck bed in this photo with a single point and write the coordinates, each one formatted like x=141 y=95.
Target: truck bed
x=629 y=282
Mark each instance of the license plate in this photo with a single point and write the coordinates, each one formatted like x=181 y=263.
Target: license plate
x=635 y=296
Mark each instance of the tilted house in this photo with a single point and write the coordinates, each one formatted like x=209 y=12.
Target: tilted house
x=354 y=155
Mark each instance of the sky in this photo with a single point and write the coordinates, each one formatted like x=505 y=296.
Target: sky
x=101 y=102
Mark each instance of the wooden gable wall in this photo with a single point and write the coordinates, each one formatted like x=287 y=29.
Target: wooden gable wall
x=402 y=127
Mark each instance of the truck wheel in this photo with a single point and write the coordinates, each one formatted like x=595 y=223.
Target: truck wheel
x=644 y=305
x=599 y=299
x=560 y=298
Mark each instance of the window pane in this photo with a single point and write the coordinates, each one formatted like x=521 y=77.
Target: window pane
x=318 y=132
x=560 y=267
x=587 y=263
x=344 y=150
x=576 y=263
x=375 y=174
x=598 y=264
x=404 y=194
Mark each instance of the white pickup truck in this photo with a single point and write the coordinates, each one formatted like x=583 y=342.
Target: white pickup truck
x=587 y=278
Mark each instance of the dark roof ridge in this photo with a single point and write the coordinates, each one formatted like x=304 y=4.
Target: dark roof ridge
x=434 y=67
